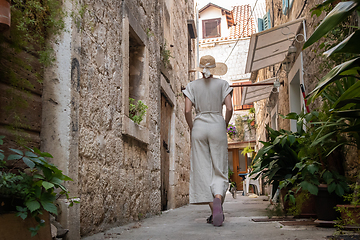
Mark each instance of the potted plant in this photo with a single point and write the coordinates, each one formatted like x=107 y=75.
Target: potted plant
x=345 y=114
x=249 y=151
x=5 y=15
x=231 y=131
x=30 y=185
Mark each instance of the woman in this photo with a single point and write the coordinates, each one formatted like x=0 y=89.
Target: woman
x=209 y=154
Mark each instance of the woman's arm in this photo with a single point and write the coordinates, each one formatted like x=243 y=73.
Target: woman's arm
x=229 y=109
x=188 y=113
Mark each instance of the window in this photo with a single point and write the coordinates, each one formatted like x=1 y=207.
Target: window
x=264 y=23
x=211 y=28
x=286 y=6
x=237 y=98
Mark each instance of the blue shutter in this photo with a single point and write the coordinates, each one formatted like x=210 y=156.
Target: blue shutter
x=290 y=3
x=260 y=24
x=266 y=21
x=285 y=6
x=269 y=19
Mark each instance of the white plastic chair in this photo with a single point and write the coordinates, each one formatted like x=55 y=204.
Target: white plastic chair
x=250 y=180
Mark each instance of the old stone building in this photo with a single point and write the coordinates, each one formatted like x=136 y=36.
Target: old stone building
x=112 y=51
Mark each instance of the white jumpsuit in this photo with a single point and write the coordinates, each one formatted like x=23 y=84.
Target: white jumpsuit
x=209 y=153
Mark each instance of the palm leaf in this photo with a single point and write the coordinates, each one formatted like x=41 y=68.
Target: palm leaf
x=336 y=73
x=341 y=11
x=349 y=45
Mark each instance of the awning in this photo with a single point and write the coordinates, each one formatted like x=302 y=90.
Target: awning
x=270 y=46
x=253 y=94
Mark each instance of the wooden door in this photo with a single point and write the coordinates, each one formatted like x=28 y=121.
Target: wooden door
x=166 y=110
x=239 y=166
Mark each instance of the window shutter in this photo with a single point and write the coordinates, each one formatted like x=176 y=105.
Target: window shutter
x=285 y=6
x=266 y=21
x=260 y=24
x=211 y=28
x=290 y=3
x=237 y=98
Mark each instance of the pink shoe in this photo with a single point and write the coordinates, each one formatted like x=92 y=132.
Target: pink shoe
x=218 y=216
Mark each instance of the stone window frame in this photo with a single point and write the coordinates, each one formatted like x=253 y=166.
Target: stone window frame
x=218 y=26
x=129 y=127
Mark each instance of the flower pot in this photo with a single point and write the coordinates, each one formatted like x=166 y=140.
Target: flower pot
x=8 y=204
x=326 y=203
x=350 y=214
x=5 y=15
x=14 y=228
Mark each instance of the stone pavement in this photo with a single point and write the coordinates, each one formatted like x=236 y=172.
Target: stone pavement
x=189 y=223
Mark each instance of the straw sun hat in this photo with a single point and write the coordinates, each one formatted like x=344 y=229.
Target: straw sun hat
x=207 y=63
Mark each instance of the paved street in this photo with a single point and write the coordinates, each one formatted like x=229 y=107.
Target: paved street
x=189 y=222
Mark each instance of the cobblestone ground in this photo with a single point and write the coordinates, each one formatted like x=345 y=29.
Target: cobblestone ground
x=189 y=222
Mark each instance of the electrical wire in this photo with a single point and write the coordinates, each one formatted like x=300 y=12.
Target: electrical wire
x=302 y=9
x=242 y=31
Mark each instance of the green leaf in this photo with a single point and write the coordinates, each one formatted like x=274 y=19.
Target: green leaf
x=31 y=154
x=17 y=151
x=349 y=45
x=32 y=205
x=14 y=157
x=291 y=139
x=309 y=187
x=312 y=168
x=291 y=115
x=45 y=154
x=327 y=176
x=332 y=187
x=349 y=113
x=333 y=75
x=47 y=185
x=339 y=190
x=50 y=207
x=2 y=156
x=341 y=11
x=354 y=100
x=28 y=162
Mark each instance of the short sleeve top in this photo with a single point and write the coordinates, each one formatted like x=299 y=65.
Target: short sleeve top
x=208 y=95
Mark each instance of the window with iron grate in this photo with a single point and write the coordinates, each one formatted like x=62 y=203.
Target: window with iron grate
x=211 y=28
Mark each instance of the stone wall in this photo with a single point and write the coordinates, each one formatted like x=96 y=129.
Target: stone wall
x=116 y=164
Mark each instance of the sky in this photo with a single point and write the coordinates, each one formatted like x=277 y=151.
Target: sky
x=226 y=3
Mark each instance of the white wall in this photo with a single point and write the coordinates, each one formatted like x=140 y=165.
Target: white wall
x=211 y=13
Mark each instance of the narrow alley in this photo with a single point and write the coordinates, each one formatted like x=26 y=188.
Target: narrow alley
x=189 y=222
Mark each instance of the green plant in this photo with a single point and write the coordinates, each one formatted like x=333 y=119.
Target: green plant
x=27 y=48
x=274 y=210
x=137 y=110
x=346 y=109
x=166 y=55
x=247 y=149
x=37 y=186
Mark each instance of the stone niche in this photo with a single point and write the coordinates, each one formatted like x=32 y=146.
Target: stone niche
x=135 y=75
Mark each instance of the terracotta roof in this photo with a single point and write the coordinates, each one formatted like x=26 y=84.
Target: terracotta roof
x=242 y=26
x=212 y=5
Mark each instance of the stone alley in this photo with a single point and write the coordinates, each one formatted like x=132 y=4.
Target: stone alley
x=189 y=222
